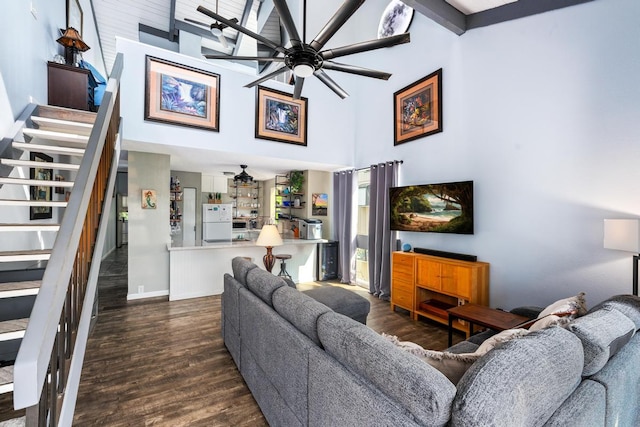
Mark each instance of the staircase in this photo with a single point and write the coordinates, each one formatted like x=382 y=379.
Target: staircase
x=52 y=235
x=61 y=134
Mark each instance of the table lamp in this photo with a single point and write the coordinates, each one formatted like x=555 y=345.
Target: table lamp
x=624 y=235
x=269 y=237
x=73 y=44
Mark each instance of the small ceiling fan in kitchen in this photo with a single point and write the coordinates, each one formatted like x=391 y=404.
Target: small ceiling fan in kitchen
x=307 y=59
x=215 y=28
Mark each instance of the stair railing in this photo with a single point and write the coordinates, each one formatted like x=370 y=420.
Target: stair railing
x=49 y=363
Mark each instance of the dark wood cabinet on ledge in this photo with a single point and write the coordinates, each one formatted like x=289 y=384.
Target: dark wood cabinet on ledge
x=70 y=87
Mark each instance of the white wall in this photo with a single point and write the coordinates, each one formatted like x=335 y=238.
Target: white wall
x=330 y=120
x=543 y=113
x=149 y=230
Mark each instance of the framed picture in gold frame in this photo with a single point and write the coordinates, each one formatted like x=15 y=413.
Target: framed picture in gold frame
x=181 y=95
x=417 y=109
x=281 y=118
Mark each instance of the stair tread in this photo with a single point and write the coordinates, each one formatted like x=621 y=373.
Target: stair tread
x=49 y=134
x=30 y=163
x=20 y=286
x=25 y=202
x=23 y=226
x=48 y=122
x=62 y=113
x=14 y=325
x=27 y=181
x=26 y=252
x=43 y=148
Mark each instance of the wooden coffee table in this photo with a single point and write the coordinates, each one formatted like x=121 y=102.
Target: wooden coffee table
x=497 y=320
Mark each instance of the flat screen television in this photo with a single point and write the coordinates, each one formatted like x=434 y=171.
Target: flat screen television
x=436 y=208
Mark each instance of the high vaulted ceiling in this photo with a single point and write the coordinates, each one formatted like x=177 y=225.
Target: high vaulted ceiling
x=167 y=18
x=161 y=22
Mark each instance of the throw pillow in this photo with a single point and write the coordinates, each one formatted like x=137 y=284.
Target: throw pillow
x=451 y=365
x=550 y=320
x=500 y=337
x=577 y=304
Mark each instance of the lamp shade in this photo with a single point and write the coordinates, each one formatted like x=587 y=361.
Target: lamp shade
x=269 y=236
x=622 y=234
x=71 y=38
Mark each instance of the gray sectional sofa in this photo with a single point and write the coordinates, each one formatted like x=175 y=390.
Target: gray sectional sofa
x=308 y=365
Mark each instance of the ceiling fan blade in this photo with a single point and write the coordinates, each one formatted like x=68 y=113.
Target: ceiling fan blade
x=193 y=21
x=287 y=21
x=240 y=28
x=223 y=41
x=246 y=58
x=324 y=78
x=297 y=89
x=366 y=46
x=341 y=16
x=351 y=69
x=267 y=76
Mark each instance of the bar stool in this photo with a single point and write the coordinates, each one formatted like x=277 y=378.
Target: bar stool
x=283 y=265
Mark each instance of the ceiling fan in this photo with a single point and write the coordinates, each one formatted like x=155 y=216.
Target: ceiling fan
x=215 y=28
x=307 y=59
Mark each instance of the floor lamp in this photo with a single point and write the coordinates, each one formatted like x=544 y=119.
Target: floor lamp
x=269 y=237
x=624 y=235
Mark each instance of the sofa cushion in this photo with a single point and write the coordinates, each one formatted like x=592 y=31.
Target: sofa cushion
x=602 y=333
x=452 y=365
x=565 y=305
x=342 y=301
x=300 y=310
x=405 y=379
x=621 y=379
x=263 y=284
x=629 y=305
x=241 y=267
x=521 y=382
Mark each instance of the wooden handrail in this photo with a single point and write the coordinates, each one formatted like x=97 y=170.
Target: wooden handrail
x=49 y=362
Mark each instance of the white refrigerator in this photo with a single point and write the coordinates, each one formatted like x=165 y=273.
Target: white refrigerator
x=216 y=222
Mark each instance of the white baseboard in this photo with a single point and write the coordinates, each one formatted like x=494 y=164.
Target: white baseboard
x=148 y=295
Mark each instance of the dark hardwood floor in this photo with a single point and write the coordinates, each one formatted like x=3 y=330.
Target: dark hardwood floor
x=162 y=363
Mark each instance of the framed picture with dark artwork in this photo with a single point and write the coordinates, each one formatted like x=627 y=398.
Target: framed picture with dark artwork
x=281 y=118
x=41 y=192
x=417 y=109
x=181 y=95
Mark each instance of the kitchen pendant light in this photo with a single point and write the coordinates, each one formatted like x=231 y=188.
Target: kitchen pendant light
x=243 y=177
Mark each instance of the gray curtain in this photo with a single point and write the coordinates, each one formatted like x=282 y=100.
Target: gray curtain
x=343 y=194
x=381 y=238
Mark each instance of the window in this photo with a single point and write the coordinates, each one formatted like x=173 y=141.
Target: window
x=362 y=239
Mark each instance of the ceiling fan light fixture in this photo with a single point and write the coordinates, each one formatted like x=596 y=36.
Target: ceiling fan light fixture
x=303 y=70
x=243 y=177
x=216 y=31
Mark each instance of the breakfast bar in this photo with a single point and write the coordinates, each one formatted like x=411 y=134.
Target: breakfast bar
x=198 y=270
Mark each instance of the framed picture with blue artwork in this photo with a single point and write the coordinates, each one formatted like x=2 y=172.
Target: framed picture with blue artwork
x=181 y=95
x=281 y=118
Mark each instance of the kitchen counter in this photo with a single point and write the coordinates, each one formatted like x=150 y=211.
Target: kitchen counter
x=177 y=246
x=198 y=270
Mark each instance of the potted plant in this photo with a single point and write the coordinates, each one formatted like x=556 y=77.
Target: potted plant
x=296 y=179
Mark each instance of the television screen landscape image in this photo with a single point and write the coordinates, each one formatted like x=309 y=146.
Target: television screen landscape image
x=437 y=208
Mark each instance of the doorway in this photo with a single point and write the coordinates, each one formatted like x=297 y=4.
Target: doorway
x=189 y=216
